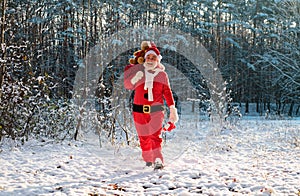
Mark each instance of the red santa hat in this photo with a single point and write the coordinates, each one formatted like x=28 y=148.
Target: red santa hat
x=153 y=50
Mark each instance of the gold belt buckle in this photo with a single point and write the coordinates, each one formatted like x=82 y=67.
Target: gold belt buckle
x=146 y=109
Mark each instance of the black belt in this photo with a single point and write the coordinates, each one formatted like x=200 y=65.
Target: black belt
x=147 y=108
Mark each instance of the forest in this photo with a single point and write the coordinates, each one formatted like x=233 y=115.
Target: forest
x=255 y=44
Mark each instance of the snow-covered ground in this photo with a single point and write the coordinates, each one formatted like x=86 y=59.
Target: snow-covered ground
x=256 y=157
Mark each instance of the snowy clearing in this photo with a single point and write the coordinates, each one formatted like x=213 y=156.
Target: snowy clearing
x=257 y=157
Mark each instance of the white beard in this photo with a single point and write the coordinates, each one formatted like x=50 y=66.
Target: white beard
x=150 y=65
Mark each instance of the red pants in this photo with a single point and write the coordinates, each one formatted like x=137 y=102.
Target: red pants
x=149 y=127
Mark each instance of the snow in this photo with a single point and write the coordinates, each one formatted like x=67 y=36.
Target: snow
x=253 y=157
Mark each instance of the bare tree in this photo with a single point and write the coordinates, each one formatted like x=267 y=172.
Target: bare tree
x=3 y=46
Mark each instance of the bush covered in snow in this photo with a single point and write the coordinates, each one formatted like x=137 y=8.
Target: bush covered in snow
x=26 y=111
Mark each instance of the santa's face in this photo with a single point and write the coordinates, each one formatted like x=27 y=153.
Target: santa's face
x=151 y=61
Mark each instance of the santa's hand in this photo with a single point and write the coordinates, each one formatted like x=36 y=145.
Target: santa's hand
x=137 y=77
x=173 y=115
x=169 y=127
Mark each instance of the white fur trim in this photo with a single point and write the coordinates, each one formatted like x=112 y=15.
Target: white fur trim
x=154 y=53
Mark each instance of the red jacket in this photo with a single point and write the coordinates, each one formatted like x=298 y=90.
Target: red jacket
x=161 y=86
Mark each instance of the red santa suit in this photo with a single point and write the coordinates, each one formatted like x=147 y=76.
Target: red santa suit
x=151 y=90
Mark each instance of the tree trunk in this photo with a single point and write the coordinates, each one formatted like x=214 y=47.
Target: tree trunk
x=247 y=107
x=291 y=109
x=296 y=113
x=278 y=107
x=3 y=46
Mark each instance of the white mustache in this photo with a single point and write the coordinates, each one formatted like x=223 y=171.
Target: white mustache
x=150 y=63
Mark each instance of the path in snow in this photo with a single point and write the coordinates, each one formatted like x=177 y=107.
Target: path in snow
x=257 y=159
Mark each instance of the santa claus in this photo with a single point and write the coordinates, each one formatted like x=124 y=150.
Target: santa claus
x=151 y=85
